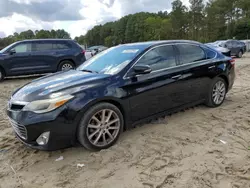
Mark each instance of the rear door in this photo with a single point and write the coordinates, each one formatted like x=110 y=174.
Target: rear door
x=198 y=68
x=235 y=47
x=229 y=45
x=19 y=62
x=159 y=90
x=44 y=57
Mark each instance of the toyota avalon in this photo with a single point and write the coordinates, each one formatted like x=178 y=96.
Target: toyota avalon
x=115 y=90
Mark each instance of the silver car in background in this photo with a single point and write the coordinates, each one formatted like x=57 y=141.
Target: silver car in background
x=237 y=48
x=216 y=46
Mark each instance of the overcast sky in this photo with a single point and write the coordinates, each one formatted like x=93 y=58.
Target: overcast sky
x=75 y=16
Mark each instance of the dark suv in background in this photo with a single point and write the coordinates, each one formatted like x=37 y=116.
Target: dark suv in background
x=40 y=56
x=236 y=47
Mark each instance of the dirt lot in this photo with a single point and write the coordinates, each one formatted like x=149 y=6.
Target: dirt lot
x=198 y=148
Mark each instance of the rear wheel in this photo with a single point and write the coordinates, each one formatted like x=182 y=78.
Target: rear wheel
x=1 y=75
x=66 y=65
x=217 y=93
x=240 y=54
x=100 y=126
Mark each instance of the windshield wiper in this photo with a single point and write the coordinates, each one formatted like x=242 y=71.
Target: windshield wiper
x=85 y=70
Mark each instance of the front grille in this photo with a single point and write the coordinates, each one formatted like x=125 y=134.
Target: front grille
x=19 y=129
x=16 y=107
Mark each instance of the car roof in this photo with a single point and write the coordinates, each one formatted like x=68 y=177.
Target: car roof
x=159 y=42
x=31 y=40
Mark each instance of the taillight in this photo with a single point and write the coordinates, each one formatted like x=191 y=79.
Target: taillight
x=232 y=61
x=83 y=52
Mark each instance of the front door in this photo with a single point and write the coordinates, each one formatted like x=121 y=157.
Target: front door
x=159 y=90
x=19 y=59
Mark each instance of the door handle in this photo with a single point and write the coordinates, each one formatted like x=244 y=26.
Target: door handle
x=211 y=67
x=176 y=77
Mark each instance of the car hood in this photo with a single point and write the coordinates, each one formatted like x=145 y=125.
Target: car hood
x=58 y=84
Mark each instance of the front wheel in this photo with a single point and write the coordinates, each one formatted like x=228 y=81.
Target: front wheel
x=240 y=54
x=217 y=93
x=100 y=127
x=1 y=75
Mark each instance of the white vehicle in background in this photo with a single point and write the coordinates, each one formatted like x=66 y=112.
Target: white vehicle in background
x=93 y=50
x=88 y=54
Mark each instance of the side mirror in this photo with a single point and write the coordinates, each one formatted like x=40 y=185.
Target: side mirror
x=12 y=51
x=142 y=69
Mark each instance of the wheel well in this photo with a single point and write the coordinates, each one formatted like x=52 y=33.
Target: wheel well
x=4 y=73
x=66 y=60
x=225 y=79
x=119 y=106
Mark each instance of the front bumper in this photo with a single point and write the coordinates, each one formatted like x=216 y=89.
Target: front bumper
x=61 y=127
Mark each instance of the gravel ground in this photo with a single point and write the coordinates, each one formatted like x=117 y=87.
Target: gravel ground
x=196 y=148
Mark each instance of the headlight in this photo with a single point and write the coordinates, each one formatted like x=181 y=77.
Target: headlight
x=47 y=105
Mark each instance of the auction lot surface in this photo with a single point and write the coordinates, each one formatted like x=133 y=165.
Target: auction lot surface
x=197 y=148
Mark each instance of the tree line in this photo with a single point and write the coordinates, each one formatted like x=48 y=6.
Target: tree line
x=202 y=21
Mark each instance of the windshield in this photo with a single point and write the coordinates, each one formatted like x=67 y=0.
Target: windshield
x=112 y=60
x=6 y=48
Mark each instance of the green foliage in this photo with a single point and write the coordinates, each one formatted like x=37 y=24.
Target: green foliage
x=204 y=21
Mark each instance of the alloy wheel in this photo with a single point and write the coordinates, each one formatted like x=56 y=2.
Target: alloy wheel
x=103 y=127
x=219 y=92
x=66 y=67
x=240 y=54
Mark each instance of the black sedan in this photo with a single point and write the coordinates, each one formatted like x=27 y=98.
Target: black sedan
x=117 y=89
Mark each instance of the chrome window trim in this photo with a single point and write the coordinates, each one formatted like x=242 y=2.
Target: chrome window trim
x=172 y=44
x=125 y=75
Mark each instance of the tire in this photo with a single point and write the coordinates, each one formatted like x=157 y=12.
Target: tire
x=2 y=74
x=88 y=135
x=240 y=54
x=211 y=101
x=66 y=65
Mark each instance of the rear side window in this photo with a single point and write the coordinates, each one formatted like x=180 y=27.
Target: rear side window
x=210 y=54
x=42 y=46
x=159 y=58
x=190 y=53
x=235 y=43
x=82 y=47
x=60 y=45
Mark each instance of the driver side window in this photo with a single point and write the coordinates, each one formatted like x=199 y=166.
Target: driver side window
x=159 y=58
x=22 y=48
